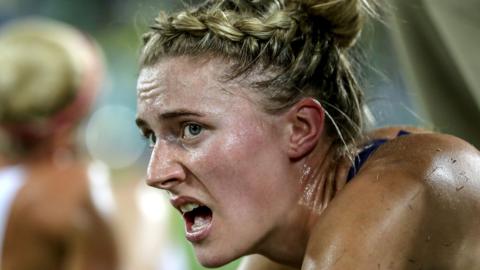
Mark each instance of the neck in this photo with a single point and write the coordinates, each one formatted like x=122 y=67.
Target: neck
x=321 y=176
x=58 y=150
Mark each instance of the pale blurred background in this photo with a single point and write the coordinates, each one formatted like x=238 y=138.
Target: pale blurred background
x=420 y=67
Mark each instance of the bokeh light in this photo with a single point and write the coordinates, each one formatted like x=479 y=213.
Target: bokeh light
x=111 y=136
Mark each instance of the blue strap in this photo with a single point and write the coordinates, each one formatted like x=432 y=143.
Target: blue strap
x=368 y=150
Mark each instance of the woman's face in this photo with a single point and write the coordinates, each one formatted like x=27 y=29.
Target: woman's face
x=219 y=156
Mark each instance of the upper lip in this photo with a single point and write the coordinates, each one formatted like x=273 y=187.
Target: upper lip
x=178 y=201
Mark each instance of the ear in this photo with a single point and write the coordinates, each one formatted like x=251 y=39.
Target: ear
x=307 y=119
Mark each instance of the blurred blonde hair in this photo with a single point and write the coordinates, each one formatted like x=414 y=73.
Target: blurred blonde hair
x=49 y=76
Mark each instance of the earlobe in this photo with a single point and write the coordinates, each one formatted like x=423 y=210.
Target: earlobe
x=307 y=120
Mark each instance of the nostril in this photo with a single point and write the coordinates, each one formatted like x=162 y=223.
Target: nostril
x=165 y=179
x=162 y=184
x=166 y=184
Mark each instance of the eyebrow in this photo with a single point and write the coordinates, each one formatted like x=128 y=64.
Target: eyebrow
x=178 y=113
x=168 y=115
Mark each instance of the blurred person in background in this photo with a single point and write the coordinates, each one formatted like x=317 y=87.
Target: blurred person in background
x=50 y=216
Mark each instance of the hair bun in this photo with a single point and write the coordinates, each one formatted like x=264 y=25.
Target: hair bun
x=345 y=17
x=50 y=74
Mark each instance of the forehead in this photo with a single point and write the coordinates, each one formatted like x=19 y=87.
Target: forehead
x=187 y=82
x=177 y=74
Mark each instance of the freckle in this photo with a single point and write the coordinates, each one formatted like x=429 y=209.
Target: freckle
x=411 y=260
x=448 y=244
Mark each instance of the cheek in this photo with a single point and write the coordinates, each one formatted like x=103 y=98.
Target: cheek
x=241 y=167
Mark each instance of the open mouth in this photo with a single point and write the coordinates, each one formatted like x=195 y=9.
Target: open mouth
x=198 y=219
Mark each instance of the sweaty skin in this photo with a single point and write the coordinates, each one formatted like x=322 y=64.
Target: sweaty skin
x=415 y=209
x=275 y=188
x=214 y=167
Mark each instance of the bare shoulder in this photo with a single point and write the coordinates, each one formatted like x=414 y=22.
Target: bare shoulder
x=434 y=160
x=425 y=157
x=415 y=203
x=53 y=197
x=43 y=216
x=54 y=211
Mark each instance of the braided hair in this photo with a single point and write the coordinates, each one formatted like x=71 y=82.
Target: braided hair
x=302 y=43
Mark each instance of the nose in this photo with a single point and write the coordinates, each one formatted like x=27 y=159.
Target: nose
x=164 y=169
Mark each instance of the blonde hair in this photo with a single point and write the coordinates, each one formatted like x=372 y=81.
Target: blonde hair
x=303 y=43
x=50 y=76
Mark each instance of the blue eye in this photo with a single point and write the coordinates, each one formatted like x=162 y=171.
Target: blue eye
x=191 y=130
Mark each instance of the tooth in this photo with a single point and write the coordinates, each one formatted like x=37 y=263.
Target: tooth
x=199 y=223
x=188 y=207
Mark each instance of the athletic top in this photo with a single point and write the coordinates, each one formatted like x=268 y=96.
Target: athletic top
x=369 y=149
x=11 y=180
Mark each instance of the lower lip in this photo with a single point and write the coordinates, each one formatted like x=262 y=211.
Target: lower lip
x=195 y=237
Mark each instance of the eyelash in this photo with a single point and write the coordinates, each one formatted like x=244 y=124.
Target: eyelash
x=152 y=139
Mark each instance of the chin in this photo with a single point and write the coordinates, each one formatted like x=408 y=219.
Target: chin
x=211 y=259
